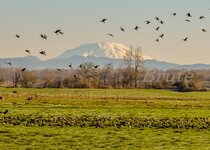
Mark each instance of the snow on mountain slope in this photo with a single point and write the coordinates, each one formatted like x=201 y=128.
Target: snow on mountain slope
x=102 y=49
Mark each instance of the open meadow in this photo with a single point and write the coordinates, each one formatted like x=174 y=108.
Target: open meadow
x=104 y=119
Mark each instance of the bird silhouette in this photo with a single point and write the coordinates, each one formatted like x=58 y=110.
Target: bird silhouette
x=76 y=77
x=70 y=66
x=43 y=53
x=96 y=66
x=185 y=39
x=43 y=36
x=202 y=17
x=4 y=112
x=187 y=20
x=103 y=20
x=147 y=22
x=111 y=35
x=189 y=15
x=22 y=70
x=161 y=22
x=162 y=35
x=157 y=29
x=174 y=14
x=27 y=51
x=136 y=28
x=156 y=18
x=58 y=32
x=17 y=36
x=80 y=65
x=121 y=28
x=29 y=98
x=157 y=40
x=58 y=69
x=204 y=30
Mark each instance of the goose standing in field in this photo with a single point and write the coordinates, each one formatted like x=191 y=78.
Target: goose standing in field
x=5 y=112
x=29 y=98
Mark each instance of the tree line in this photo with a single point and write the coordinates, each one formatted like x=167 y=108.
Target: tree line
x=132 y=74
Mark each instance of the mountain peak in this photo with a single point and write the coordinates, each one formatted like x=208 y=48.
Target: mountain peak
x=101 y=49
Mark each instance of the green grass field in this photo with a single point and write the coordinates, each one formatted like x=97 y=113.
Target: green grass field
x=104 y=119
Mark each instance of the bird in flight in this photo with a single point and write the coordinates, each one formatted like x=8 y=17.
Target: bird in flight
x=17 y=36
x=157 y=29
x=121 y=28
x=136 y=28
x=174 y=14
x=70 y=66
x=162 y=35
x=185 y=39
x=96 y=66
x=58 y=69
x=156 y=18
x=80 y=65
x=204 y=30
x=202 y=17
x=189 y=15
x=27 y=51
x=43 y=53
x=76 y=77
x=103 y=20
x=147 y=22
x=58 y=32
x=161 y=22
x=187 y=20
x=111 y=35
x=43 y=36
x=157 y=40
x=22 y=70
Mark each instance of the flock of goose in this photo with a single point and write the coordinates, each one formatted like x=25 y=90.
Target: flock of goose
x=188 y=15
x=104 y=20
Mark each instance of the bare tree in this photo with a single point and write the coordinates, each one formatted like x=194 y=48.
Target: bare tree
x=134 y=62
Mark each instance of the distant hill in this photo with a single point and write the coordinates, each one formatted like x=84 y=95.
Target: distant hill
x=98 y=53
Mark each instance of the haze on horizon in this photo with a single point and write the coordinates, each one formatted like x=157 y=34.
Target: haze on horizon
x=80 y=21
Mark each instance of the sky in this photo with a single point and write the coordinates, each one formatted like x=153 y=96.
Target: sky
x=80 y=22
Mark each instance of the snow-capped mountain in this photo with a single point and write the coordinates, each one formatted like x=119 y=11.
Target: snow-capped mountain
x=102 y=49
x=97 y=53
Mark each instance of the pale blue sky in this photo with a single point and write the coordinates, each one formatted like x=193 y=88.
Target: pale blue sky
x=79 y=19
